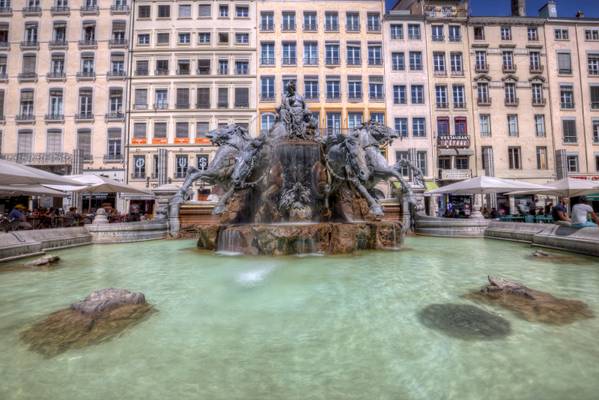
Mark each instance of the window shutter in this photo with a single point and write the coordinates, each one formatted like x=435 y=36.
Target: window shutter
x=241 y=97
x=203 y=98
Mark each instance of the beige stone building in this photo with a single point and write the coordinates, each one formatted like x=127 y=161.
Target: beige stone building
x=407 y=88
x=193 y=69
x=573 y=67
x=62 y=84
x=333 y=50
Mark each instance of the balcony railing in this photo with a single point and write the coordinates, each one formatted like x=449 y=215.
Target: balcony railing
x=32 y=11
x=455 y=38
x=113 y=158
x=60 y=10
x=142 y=72
x=85 y=116
x=119 y=9
x=161 y=72
x=438 y=38
x=89 y=9
x=3 y=77
x=310 y=27
x=39 y=158
x=483 y=101
x=289 y=61
x=115 y=116
x=267 y=97
x=457 y=73
x=442 y=105
x=332 y=61
x=267 y=27
x=4 y=45
x=352 y=28
x=54 y=117
x=567 y=106
x=481 y=68
x=86 y=75
x=88 y=43
x=5 y=11
x=512 y=102
x=161 y=106
x=27 y=77
x=310 y=60
x=595 y=105
x=539 y=102
x=58 y=44
x=56 y=76
x=116 y=74
x=453 y=141
x=509 y=68
x=30 y=45
x=25 y=118
x=454 y=174
x=536 y=69
x=267 y=61
x=118 y=43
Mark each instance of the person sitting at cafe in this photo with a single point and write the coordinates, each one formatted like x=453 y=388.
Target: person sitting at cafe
x=72 y=217
x=560 y=214
x=17 y=216
x=580 y=213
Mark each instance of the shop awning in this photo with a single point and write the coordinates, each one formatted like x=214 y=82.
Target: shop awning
x=430 y=185
x=456 y=152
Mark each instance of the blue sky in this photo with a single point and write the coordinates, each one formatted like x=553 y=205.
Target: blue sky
x=565 y=8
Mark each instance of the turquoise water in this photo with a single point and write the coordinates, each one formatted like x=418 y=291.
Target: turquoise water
x=301 y=328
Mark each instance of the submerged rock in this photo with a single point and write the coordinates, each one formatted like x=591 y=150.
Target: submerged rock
x=101 y=316
x=43 y=261
x=464 y=321
x=529 y=304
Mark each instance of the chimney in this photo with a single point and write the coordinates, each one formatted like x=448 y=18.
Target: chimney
x=519 y=8
x=549 y=10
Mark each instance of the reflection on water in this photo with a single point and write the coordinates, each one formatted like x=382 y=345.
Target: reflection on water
x=342 y=327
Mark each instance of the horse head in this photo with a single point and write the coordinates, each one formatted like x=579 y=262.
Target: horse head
x=231 y=134
x=357 y=158
x=244 y=162
x=379 y=132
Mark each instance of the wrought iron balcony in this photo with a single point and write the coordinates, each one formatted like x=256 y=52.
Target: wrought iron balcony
x=267 y=27
x=310 y=60
x=118 y=43
x=539 y=102
x=537 y=69
x=116 y=75
x=32 y=11
x=332 y=61
x=443 y=105
x=352 y=28
x=481 y=67
x=88 y=43
x=3 y=77
x=86 y=75
x=60 y=10
x=39 y=158
x=310 y=27
x=29 y=117
x=58 y=44
x=453 y=141
x=5 y=11
x=267 y=97
x=512 y=102
x=56 y=76
x=90 y=9
x=113 y=158
x=483 y=101
x=114 y=116
x=161 y=106
x=84 y=116
x=4 y=45
x=161 y=72
x=119 y=9
x=54 y=117
x=509 y=69
x=30 y=45
x=27 y=77
x=267 y=61
x=455 y=38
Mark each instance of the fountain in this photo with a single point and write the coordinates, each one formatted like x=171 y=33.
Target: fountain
x=293 y=190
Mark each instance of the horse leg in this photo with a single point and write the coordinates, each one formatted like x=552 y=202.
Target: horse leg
x=222 y=202
x=375 y=207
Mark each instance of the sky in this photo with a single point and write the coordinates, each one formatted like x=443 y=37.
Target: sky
x=565 y=8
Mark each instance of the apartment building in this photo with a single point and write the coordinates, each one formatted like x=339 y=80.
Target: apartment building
x=62 y=84
x=573 y=65
x=193 y=69
x=332 y=50
x=407 y=86
x=512 y=118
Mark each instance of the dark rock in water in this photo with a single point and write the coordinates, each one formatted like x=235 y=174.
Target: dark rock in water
x=43 y=261
x=464 y=321
x=101 y=316
x=529 y=304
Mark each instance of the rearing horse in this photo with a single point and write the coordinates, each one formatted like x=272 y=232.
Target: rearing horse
x=231 y=141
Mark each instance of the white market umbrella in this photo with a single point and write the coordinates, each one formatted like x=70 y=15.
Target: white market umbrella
x=567 y=187
x=29 y=190
x=17 y=174
x=486 y=185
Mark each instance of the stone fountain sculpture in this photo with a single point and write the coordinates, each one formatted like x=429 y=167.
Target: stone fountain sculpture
x=292 y=190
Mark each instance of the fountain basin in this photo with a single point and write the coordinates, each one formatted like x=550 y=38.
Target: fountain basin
x=302 y=238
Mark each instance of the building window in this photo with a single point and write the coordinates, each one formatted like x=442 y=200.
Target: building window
x=115 y=101
x=512 y=125
x=572 y=162
x=181 y=166
x=401 y=127
x=163 y=38
x=354 y=54
x=444 y=162
x=182 y=100
x=139 y=130
x=267 y=121
x=331 y=21
x=415 y=61
x=223 y=37
x=514 y=157
x=310 y=21
x=242 y=11
x=223 y=11
x=375 y=55
x=242 y=38
x=267 y=21
x=439 y=62
x=455 y=34
x=352 y=22
x=508 y=60
x=183 y=67
x=143 y=39
x=223 y=67
x=114 y=142
x=354 y=87
x=398 y=61
x=354 y=120
x=457 y=64
x=374 y=22
x=141 y=99
x=54 y=141
x=421 y=162
x=185 y=38
x=164 y=11
x=396 y=31
x=204 y=66
x=533 y=33
x=414 y=31
x=84 y=143
x=443 y=126
x=85 y=103
x=182 y=130
x=482 y=90
x=375 y=88
x=333 y=120
x=417 y=94
x=460 y=126
x=506 y=33
x=162 y=67
x=564 y=63
x=24 y=141
x=204 y=38
x=542 y=157
x=331 y=51
x=595 y=97
x=535 y=61
x=56 y=104
x=399 y=94
x=117 y=64
x=267 y=53
x=596 y=131
x=441 y=96
x=480 y=61
x=462 y=163
x=203 y=98
x=593 y=63
x=591 y=34
x=144 y=12
x=566 y=97
x=289 y=53
x=569 y=131
x=485 y=125
x=333 y=88
x=459 y=96
x=205 y=10
x=403 y=155
x=139 y=167
x=561 y=34
x=510 y=93
x=267 y=88
x=161 y=99
x=437 y=33
x=242 y=97
x=479 y=33
x=223 y=98
x=537 y=94
x=540 y=125
x=288 y=21
x=311 y=87
x=26 y=104
x=160 y=131
x=418 y=127
x=242 y=67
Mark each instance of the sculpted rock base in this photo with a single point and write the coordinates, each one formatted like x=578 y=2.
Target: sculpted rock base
x=531 y=305
x=96 y=319
x=286 y=239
